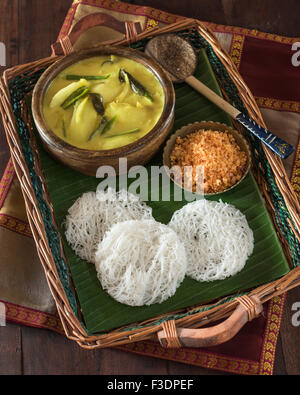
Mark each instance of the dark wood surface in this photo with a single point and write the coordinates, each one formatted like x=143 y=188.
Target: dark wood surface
x=28 y=27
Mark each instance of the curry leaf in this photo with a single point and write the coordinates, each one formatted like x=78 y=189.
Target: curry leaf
x=135 y=85
x=97 y=101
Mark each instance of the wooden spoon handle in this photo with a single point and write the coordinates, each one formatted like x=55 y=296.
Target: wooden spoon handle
x=212 y=96
x=276 y=144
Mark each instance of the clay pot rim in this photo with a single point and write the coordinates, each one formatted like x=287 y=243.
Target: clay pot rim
x=51 y=139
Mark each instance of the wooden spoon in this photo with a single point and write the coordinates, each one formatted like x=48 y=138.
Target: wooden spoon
x=179 y=59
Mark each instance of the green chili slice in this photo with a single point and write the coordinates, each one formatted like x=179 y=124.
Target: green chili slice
x=123 y=134
x=99 y=128
x=80 y=92
x=71 y=77
x=108 y=126
x=103 y=127
x=64 y=128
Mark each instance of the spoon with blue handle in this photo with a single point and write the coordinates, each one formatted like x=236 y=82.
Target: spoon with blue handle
x=179 y=59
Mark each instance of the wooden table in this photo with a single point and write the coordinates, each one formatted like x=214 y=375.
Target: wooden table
x=28 y=27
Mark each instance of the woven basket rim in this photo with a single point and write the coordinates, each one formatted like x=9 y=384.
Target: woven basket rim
x=195 y=316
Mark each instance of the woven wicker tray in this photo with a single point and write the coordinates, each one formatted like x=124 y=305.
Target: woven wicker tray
x=178 y=328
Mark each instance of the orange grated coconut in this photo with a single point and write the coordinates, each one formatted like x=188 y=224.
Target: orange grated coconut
x=224 y=163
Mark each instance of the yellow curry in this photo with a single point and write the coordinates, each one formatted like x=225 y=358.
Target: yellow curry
x=103 y=102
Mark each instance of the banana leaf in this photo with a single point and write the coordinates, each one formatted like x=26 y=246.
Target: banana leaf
x=100 y=312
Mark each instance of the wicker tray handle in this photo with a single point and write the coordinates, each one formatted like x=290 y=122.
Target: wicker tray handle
x=65 y=46
x=172 y=337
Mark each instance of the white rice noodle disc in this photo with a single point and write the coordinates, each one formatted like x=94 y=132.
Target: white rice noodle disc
x=93 y=214
x=140 y=262
x=217 y=239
